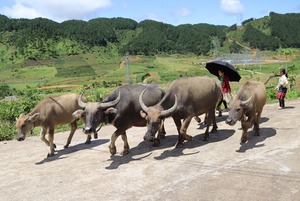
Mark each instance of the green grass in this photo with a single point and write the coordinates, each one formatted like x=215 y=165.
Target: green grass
x=90 y=68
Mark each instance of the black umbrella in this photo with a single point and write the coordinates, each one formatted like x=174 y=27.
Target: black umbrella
x=214 y=66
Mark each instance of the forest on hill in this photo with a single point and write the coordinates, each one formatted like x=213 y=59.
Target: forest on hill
x=39 y=39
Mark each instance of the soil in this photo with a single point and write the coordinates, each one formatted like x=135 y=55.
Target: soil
x=60 y=86
x=267 y=167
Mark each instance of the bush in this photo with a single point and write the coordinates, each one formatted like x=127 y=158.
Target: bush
x=7 y=130
x=10 y=110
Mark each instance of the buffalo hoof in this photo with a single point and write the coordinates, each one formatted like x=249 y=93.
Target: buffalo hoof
x=214 y=130
x=50 y=155
x=188 y=138
x=162 y=136
x=95 y=135
x=112 y=151
x=88 y=141
x=244 y=140
x=66 y=146
x=156 y=142
x=125 y=152
x=179 y=145
x=205 y=138
x=54 y=145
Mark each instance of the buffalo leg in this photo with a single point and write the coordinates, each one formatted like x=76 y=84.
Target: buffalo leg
x=213 y=119
x=73 y=129
x=42 y=136
x=182 y=128
x=88 y=139
x=208 y=123
x=244 y=137
x=126 y=145
x=51 y=139
x=178 y=126
x=256 y=124
x=246 y=124
x=162 y=131
x=95 y=135
x=114 y=137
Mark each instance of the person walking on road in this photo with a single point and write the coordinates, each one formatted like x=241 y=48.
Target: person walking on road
x=226 y=90
x=282 y=87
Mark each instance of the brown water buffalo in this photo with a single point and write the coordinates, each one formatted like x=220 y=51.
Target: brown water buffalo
x=49 y=112
x=247 y=107
x=186 y=98
x=122 y=109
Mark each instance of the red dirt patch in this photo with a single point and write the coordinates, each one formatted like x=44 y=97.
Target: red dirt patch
x=60 y=86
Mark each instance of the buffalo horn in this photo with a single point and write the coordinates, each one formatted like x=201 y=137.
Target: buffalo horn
x=167 y=112
x=111 y=103
x=246 y=102
x=144 y=107
x=80 y=102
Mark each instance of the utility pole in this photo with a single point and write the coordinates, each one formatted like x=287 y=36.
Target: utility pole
x=128 y=73
x=215 y=44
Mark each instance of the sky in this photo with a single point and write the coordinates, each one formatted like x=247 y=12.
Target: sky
x=175 y=12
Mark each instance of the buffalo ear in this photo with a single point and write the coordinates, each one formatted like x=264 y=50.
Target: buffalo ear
x=110 y=110
x=34 y=117
x=143 y=114
x=78 y=113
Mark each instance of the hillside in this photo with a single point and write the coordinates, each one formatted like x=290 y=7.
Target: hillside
x=41 y=52
x=40 y=39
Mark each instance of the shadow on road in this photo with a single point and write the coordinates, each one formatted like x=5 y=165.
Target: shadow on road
x=60 y=154
x=263 y=120
x=196 y=142
x=255 y=141
x=144 y=149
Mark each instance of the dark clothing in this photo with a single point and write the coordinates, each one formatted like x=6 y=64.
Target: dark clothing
x=281 y=92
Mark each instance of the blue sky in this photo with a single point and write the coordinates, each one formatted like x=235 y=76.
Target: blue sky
x=175 y=12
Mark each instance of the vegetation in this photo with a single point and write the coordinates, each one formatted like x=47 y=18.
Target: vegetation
x=40 y=57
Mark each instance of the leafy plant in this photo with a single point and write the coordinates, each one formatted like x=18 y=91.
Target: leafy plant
x=7 y=130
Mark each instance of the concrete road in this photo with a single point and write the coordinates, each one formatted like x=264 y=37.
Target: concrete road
x=265 y=168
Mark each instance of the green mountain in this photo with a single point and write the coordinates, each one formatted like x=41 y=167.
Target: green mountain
x=23 y=40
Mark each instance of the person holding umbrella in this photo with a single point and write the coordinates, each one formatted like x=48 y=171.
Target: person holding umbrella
x=226 y=73
x=226 y=90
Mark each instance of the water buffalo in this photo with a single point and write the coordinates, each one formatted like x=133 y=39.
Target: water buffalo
x=49 y=112
x=186 y=98
x=247 y=107
x=122 y=109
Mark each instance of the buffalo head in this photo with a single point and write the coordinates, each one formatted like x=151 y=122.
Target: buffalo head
x=94 y=113
x=236 y=112
x=24 y=124
x=154 y=116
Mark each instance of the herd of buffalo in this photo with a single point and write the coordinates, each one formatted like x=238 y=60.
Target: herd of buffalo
x=146 y=105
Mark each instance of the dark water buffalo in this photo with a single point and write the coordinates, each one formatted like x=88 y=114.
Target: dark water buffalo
x=247 y=107
x=186 y=98
x=122 y=109
x=49 y=112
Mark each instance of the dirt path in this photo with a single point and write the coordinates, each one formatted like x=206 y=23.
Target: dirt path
x=265 y=168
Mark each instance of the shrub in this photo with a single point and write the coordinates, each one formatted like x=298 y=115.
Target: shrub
x=10 y=110
x=7 y=130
